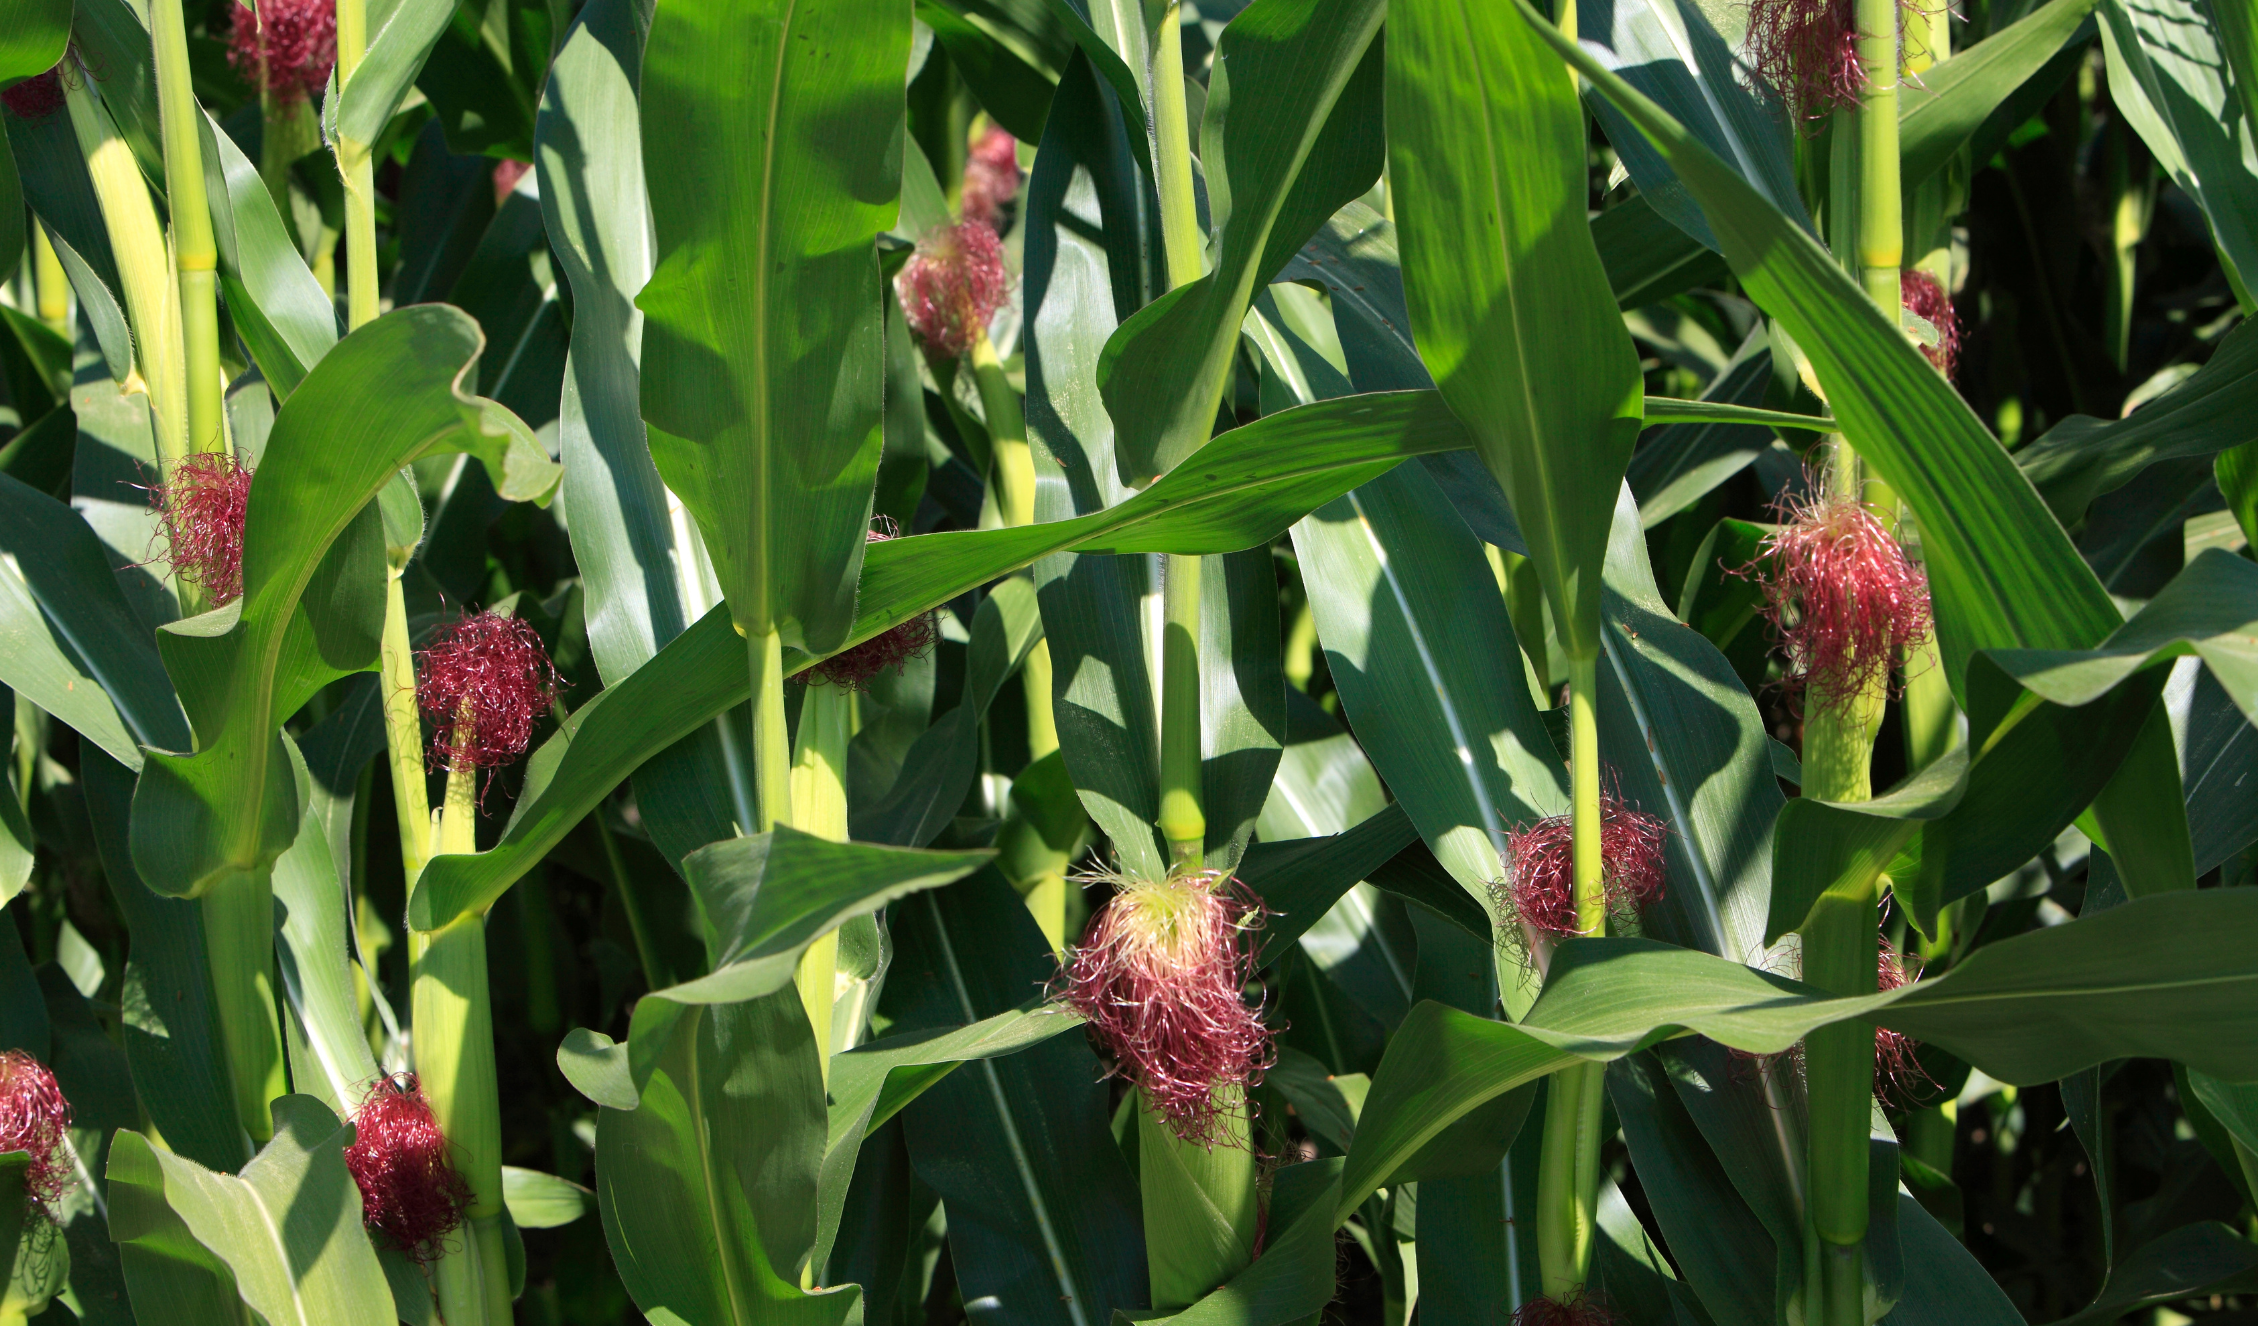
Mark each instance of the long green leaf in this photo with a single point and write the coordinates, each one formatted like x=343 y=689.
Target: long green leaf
x=2170 y=77
x=2081 y=458
x=1943 y=109
x=872 y=1083
x=36 y=33
x=1250 y=486
x=1043 y=1211
x=763 y=352
x=1509 y=304
x=1669 y=50
x=707 y=1187
x=75 y=648
x=2210 y=610
x=1291 y=133
x=388 y=394
x=2002 y=572
x=276 y=304
x=763 y=899
x=288 y=1228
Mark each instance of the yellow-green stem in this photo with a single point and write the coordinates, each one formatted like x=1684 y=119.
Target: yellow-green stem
x=239 y=946
x=454 y=1058
x=1568 y=1172
x=772 y=751
x=1200 y=1202
x=1013 y=478
x=144 y=265
x=1568 y=1179
x=1840 y=954
x=1183 y=821
x=180 y=124
x=1881 y=208
x=53 y=286
x=359 y=175
x=403 y=731
x=819 y=806
x=1171 y=140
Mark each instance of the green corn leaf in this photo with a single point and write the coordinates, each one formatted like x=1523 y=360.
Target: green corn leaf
x=1414 y=629
x=170 y=1027
x=1941 y=111
x=75 y=648
x=2001 y=570
x=2081 y=458
x=1668 y=50
x=37 y=32
x=2170 y=76
x=938 y=769
x=401 y=34
x=872 y=1083
x=1292 y=132
x=2179 y=1264
x=1686 y=742
x=763 y=352
x=288 y=1228
x=1019 y=1145
x=763 y=899
x=2157 y=977
x=589 y=150
x=1726 y=1250
x=2210 y=610
x=708 y=1186
x=541 y=1201
x=1509 y=304
x=312 y=583
x=1015 y=88
x=1249 y=486
x=276 y=304
x=330 y=1056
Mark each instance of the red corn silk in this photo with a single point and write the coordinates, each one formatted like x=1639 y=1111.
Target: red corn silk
x=286 y=48
x=991 y=176
x=1578 y=1309
x=1159 y=977
x=1841 y=595
x=411 y=1192
x=34 y=1117
x=36 y=97
x=495 y=667
x=1539 y=889
x=1808 y=51
x=1926 y=298
x=952 y=285
x=1897 y=1072
x=890 y=650
x=202 y=504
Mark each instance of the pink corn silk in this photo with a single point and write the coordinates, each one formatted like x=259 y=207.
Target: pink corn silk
x=496 y=666
x=411 y=1192
x=202 y=504
x=1897 y=1071
x=890 y=650
x=1808 y=51
x=287 y=48
x=952 y=285
x=34 y=1118
x=1841 y=595
x=1159 y=977
x=36 y=97
x=1540 y=885
x=1926 y=298
x=991 y=176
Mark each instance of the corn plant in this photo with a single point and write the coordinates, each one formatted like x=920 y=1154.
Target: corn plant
x=1239 y=662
